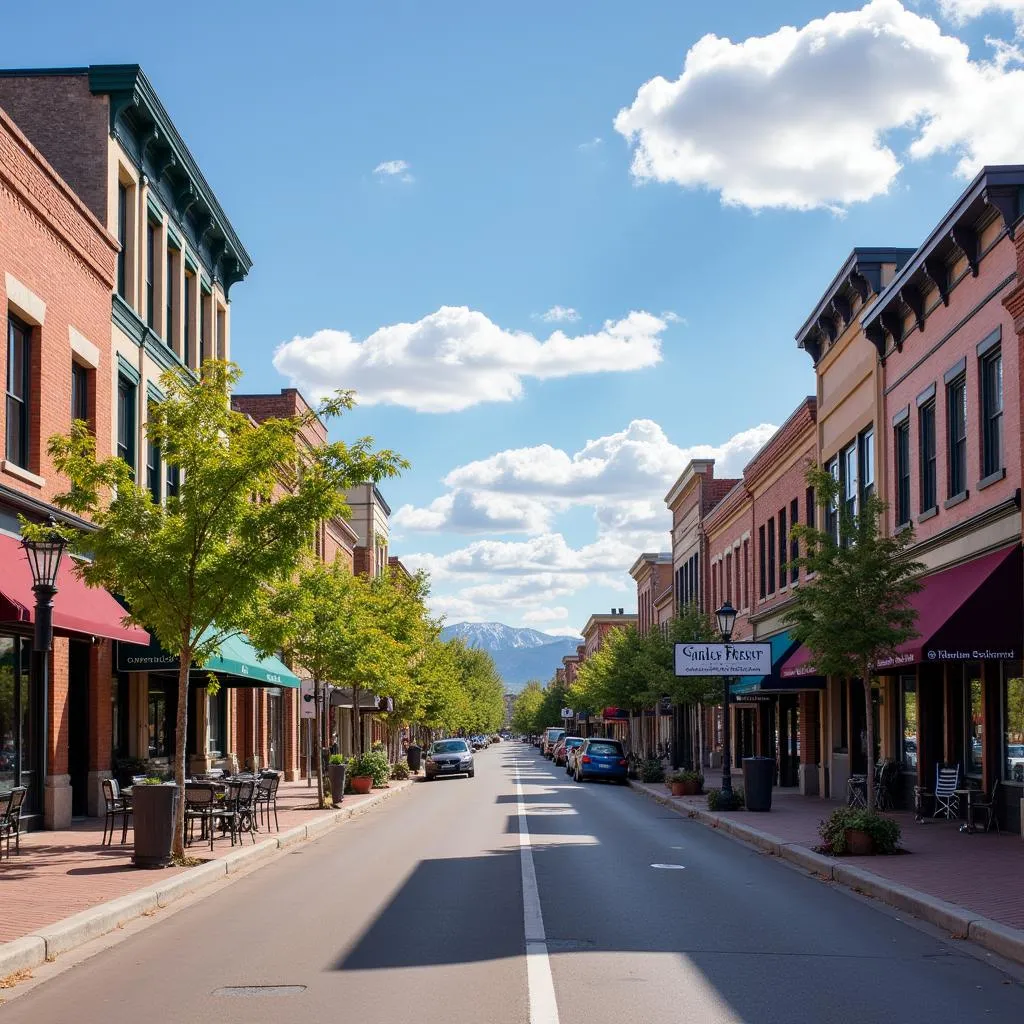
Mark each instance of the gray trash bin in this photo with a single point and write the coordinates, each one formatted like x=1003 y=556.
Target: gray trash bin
x=758 y=777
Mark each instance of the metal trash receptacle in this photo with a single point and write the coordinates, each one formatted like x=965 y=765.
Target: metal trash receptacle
x=758 y=779
x=413 y=754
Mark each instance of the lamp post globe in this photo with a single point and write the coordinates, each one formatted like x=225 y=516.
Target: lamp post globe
x=726 y=616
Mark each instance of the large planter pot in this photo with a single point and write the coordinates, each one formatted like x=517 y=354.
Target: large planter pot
x=336 y=773
x=679 y=788
x=361 y=783
x=691 y=788
x=153 y=810
x=858 y=843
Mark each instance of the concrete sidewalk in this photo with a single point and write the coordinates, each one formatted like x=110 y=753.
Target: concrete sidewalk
x=66 y=888
x=969 y=885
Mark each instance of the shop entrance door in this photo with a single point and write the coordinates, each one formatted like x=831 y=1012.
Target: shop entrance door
x=275 y=729
x=789 y=741
x=78 y=726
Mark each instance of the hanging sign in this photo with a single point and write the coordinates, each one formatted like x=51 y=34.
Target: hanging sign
x=307 y=699
x=723 y=659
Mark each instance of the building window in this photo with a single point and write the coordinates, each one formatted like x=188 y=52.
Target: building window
x=771 y=556
x=849 y=481
x=172 y=268
x=832 y=510
x=220 y=342
x=761 y=585
x=122 y=238
x=204 y=317
x=19 y=372
x=992 y=412
x=79 y=392
x=126 y=422
x=746 y=574
x=783 y=547
x=1013 y=721
x=974 y=719
x=186 y=319
x=908 y=721
x=154 y=469
x=794 y=544
x=159 y=740
x=151 y=274
x=173 y=481
x=866 y=450
x=736 y=572
x=901 y=445
x=956 y=417
x=926 y=439
x=811 y=507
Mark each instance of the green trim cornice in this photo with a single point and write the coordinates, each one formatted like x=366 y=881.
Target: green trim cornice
x=134 y=327
x=126 y=370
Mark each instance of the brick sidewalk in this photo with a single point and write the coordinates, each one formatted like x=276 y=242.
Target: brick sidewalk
x=61 y=873
x=981 y=873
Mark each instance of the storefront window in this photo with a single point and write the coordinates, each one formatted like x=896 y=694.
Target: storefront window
x=908 y=724
x=158 y=745
x=216 y=703
x=8 y=713
x=974 y=719
x=1013 y=721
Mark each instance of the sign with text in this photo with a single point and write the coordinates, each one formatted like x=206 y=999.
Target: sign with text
x=723 y=659
x=307 y=699
x=568 y=713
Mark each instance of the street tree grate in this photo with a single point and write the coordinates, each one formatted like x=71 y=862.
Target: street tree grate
x=259 y=990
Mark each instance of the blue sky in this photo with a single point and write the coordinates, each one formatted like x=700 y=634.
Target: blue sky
x=459 y=167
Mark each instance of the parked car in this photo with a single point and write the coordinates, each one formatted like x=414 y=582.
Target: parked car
x=449 y=757
x=601 y=759
x=566 y=749
x=1015 y=761
x=478 y=742
x=551 y=736
x=557 y=749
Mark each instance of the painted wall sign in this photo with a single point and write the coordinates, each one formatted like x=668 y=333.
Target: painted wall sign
x=723 y=659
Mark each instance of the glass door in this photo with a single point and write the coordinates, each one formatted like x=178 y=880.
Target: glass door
x=275 y=728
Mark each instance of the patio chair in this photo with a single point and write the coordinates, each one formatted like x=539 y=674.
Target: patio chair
x=947 y=782
x=10 y=820
x=200 y=804
x=116 y=805
x=885 y=776
x=245 y=808
x=266 y=797
x=857 y=791
x=986 y=807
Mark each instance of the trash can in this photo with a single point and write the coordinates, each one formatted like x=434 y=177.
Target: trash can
x=758 y=777
x=412 y=755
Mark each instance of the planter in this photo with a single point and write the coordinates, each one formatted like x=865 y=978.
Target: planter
x=678 y=788
x=691 y=788
x=858 y=843
x=361 y=783
x=336 y=773
x=153 y=810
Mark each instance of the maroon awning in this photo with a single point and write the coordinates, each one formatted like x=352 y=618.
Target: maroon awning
x=76 y=607
x=969 y=612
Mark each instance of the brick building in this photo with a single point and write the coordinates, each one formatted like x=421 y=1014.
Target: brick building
x=652 y=573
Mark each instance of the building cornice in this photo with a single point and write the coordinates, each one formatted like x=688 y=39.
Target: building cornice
x=790 y=435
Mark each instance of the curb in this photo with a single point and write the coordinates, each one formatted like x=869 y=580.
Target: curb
x=957 y=921
x=48 y=943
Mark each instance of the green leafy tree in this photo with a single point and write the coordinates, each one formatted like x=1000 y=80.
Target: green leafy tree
x=484 y=692
x=250 y=497
x=525 y=708
x=856 y=609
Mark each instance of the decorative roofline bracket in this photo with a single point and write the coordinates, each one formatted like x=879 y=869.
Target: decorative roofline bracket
x=912 y=295
x=967 y=241
x=1006 y=200
x=938 y=273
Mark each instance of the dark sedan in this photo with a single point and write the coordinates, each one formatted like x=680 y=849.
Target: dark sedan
x=449 y=757
x=601 y=759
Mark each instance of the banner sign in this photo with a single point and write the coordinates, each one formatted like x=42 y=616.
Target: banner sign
x=723 y=659
x=568 y=713
x=307 y=699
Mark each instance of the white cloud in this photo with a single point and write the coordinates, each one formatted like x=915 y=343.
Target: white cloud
x=478 y=512
x=962 y=11
x=394 y=169
x=804 y=117
x=560 y=314
x=457 y=358
x=593 y=144
x=545 y=615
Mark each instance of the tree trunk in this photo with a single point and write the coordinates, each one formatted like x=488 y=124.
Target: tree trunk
x=180 y=742
x=869 y=732
x=357 y=722
x=700 y=737
x=318 y=753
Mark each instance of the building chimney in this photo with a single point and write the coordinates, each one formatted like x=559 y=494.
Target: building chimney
x=620 y=611
x=613 y=611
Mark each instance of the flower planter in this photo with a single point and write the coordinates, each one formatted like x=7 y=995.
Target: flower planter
x=153 y=810
x=361 y=783
x=678 y=788
x=336 y=773
x=858 y=843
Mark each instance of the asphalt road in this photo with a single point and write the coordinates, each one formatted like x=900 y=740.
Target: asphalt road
x=415 y=913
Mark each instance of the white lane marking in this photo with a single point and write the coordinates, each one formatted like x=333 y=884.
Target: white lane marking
x=540 y=985
x=670 y=867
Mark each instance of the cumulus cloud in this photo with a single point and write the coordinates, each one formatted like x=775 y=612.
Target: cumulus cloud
x=479 y=512
x=394 y=169
x=962 y=11
x=545 y=616
x=805 y=117
x=560 y=314
x=457 y=358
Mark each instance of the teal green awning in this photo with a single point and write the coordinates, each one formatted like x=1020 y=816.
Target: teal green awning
x=782 y=646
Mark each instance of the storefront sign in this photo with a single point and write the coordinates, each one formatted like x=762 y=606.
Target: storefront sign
x=982 y=654
x=307 y=702
x=753 y=698
x=723 y=659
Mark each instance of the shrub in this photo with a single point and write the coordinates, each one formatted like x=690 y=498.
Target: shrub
x=718 y=801
x=400 y=770
x=336 y=759
x=884 y=832
x=652 y=770
x=685 y=775
x=374 y=763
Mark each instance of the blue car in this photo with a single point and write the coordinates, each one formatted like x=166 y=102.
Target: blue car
x=601 y=759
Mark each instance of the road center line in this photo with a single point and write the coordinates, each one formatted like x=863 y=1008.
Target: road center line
x=540 y=985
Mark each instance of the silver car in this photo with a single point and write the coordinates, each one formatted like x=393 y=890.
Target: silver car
x=449 y=757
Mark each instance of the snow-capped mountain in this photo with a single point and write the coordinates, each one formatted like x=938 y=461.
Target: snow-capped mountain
x=520 y=654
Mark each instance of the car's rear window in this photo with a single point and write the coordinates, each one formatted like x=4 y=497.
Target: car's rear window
x=554 y=734
x=574 y=741
x=604 y=749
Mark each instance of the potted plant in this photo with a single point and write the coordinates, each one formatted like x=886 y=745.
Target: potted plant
x=130 y=767
x=400 y=771
x=652 y=770
x=154 y=803
x=369 y=770
x=336 y=768
x=719 y=801
x=858 y=832
x=686 y=783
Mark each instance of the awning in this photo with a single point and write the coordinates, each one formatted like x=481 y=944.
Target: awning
x=342 y=697
x=783 y=646
x=238 y=660
x=77 y=608
x=970 y=612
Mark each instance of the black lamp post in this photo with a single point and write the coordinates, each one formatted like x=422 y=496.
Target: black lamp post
x=44 y=560
x=726 y=616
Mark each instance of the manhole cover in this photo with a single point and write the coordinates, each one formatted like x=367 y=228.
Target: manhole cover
x=259 y=990
x=669 y=867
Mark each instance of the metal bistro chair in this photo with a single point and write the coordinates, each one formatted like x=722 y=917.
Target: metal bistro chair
x=245 y=808
x=200 y=804
x=266 y=797
x=947 y=782
x=10 y=820
x=885 y=776
x=986 y=807
x=116 y=805
x=857 y=791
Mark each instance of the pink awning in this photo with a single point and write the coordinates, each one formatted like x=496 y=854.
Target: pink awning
x=76 y=607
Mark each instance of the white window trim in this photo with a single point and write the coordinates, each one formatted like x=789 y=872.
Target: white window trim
x=24 y=302
x=86 y=352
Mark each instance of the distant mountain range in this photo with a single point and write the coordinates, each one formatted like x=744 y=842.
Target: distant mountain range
x=519 y=654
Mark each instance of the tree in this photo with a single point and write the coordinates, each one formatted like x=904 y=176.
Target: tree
x=525 y=708
x=246 y=509
x=483 y=689
x=615 y=675
x=856 y=609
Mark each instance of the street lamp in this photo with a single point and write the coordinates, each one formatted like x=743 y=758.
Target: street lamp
x=726 y=616
x=44 y=560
